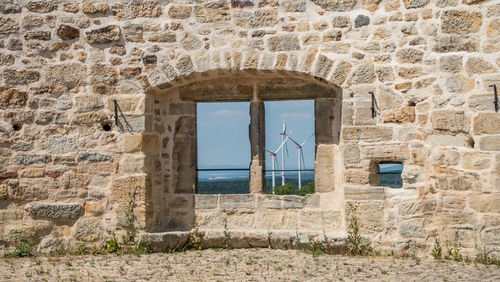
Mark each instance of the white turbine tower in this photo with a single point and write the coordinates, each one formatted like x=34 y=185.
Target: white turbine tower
x=273 y=155
x=283 y=133
x=300 y=154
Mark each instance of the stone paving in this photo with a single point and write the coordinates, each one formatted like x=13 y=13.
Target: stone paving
x=240 y=265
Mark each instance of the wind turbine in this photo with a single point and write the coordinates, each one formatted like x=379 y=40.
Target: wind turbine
x=273 y=155
x=283 y=133
x=300 y=154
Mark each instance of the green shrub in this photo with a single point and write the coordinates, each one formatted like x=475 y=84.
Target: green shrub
x=290 y=189
x=112 y=245
x=24 y=248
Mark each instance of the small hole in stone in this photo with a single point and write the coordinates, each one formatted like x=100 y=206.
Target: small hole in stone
x=16 y=127
x=471 y=142
x=106 y=127
x=411 y=104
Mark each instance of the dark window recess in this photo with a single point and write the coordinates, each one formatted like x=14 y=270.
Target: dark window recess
x=106 y=127
x=390 y=174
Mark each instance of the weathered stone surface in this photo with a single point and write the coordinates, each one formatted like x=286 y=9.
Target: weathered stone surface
x=256 y=19
x=486 y=203
x=217 y=11
x=68 y=75
x=453 y=121
x=361 y=20
x=402 y=115
x=103 y=75
x=367 y=134
x=191 y=42
x=41 y=6
x=23 y=77
x=55 y=210
x=365 y=73
x=336 y=5
x=284 y=43
x=493 y=29
x=341 y=71
x=184 y=65
x=89 y=230
x=451 y=63
x=179 y=12
x=103 y=35
x=489 y=143
x=409 y=56
x=476 y=65
x=66 y=32
x=13 y=98
x=487 y=123
x=413 y=4
x=37 y=35
x=94 y=157
x=461 y=22
x=10 y=8
x=456 y=44
x=92 y=9
x=32 y=20
x=89 y=118
x=163 y=37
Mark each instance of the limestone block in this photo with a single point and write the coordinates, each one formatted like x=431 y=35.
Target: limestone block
x=487 y=123
x=10 y=8
x=489 y=143
x=323 y=167
x=364 y=193
x=269 y=201
x=357 y=177
x=256 y=19
x=456 y=44
x=89 y=118
x=67 y=75
x=453 y=121
x=459 y=182
x=66 y=32
x=485 y=203
x=133 y=163
x=445 y=157
x=28 y=159
x=412 y=228
x=336 y=5
x=237 y=201
x=240 y=220
x=476 y=161
x=55 y=210
x=477 y=65
x=38 y=35
x=364 y=73
x=451 y=63
x=91 y=9
x=60 y=144
x=179 y=12
x=413 y=174
x=409 y=55
x=103 y=35
x=293 y=202
x=370 y=215
x=461 y=22
x=448 y=140
x=210 y=219
x=41 y=6
x=385 y=152
x=218 y=11
x=206 y=201
x=88 y=230
x=402 y=115
x=23 y=77
x=367 y=133
x=284 y=43
x=351 y=154
x=13 y=98
x=414 y=4
x=8 y=26
x=417 y=207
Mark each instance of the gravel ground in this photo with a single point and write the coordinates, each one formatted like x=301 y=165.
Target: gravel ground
x=239 y=265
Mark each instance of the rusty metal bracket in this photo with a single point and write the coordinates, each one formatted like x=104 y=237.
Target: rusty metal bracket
x=375 y=108
x=118 y=113
x=495 y=99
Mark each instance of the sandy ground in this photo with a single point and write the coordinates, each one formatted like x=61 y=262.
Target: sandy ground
x=240 y=265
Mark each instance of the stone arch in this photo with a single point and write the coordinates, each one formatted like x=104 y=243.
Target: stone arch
x=170 y=119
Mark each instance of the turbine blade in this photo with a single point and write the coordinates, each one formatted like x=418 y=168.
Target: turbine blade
x=307 y=140
x=296 y=143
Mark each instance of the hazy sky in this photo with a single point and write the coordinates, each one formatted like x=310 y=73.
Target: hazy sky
x=223 y=133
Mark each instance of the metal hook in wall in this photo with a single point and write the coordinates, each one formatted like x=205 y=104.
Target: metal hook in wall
x=495 y=99
x=375 y=108
x=117 y=119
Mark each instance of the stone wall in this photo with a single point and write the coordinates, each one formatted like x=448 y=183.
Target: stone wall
x=68 y=180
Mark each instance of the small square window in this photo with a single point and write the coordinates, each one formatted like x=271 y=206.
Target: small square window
x=390 y=174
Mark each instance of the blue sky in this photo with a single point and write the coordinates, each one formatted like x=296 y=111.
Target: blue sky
x=223 y=132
